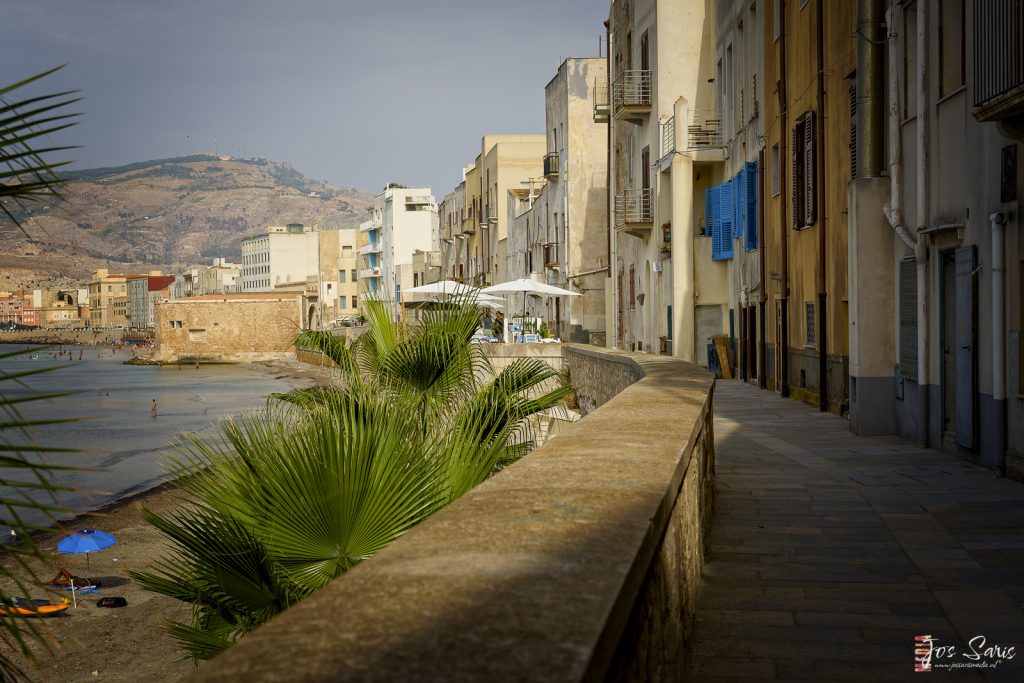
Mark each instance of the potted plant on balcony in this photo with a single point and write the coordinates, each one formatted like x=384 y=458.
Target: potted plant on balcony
x=665 y=250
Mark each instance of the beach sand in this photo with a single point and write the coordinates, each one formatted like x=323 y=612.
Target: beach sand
x=92 y=643
x=130 y=643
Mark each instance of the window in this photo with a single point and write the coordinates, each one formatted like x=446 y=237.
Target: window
x=355 y=303
x=353 y=274
x=804 y=172
x=910 y=61
x=632 y=287
x=328 y=286
x=951 y=46
x=810 y=323
x=341 y=277
x=775 y=170
x=750 y=206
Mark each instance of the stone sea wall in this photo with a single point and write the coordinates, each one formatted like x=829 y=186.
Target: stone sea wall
x=579 y=562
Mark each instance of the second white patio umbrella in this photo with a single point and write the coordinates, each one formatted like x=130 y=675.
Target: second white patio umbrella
x=444 y=287
x=527 y=286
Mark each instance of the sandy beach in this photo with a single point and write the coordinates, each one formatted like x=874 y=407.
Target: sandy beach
x=131 y=643
x=124 y=644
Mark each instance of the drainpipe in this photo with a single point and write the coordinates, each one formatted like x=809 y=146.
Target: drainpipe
x=783 y=342
x=998 y=221
x=822 y=218
x=762 y=379
x=923 y=17
x=613 y=324
x=894 y=209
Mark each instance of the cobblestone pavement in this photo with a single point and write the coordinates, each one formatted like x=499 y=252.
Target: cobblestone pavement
x=829 y=552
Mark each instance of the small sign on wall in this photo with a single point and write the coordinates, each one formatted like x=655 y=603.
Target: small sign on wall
x=1008 y=174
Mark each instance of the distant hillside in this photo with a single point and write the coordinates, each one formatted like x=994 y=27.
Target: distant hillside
x=171 y=213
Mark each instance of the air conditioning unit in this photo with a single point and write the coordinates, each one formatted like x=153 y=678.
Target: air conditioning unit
x=657 y=266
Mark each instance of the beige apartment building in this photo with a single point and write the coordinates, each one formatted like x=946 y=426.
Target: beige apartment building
x=670 y=285
x=558 y=223
x=108 y=298
x=479 y=243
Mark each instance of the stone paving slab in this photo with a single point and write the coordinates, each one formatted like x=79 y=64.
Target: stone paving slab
x=829 y=552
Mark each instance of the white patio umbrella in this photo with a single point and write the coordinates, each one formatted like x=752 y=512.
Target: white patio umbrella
x=444 y=287
x=527 y=286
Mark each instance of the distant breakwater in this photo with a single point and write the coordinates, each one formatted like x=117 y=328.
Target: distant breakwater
x=53 y=336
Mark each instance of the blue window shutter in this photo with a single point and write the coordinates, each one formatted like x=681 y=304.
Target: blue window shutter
x=738 y=204
x=724 y=220
x=751 y=205
x=725 y=204
x=716 y=222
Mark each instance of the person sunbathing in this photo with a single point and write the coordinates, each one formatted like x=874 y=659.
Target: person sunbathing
x=66 y=579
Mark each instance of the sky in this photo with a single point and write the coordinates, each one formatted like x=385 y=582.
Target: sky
x=355 y=93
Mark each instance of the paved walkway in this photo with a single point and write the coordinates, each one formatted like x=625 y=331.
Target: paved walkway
x=830 y=552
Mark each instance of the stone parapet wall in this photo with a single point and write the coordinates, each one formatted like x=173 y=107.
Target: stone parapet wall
x=579 y=562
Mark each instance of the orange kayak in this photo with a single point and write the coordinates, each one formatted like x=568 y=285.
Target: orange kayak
x=21 y=607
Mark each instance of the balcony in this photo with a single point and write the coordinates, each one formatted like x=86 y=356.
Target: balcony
x=999 y=66
x=601 y=104
x=371 y=248
x=419 y=200
x=633 y=214
x=370 y=225
x=668 y=137
x=551 y=256
x=705 y=129
x=551 y=165
x=631 y=95
x=367 y=273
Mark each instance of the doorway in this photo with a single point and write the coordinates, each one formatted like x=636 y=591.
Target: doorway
x=959 y=326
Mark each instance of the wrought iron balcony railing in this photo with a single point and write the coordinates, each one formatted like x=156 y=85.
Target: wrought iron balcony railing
x=633 y=207
x=705 y=129
x=631 y=93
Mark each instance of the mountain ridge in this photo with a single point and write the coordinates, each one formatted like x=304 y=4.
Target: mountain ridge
x=169 y=213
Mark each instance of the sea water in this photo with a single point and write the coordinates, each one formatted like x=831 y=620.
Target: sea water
x=124 y=449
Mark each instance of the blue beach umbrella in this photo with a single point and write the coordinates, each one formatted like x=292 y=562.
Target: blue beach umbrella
x=85 y=541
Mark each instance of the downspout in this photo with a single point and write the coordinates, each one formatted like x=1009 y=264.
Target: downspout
x=998 y=221
x=762 y=379
x=783 y=342
x=822 y=218
x=612 y=251
x=893 y=210
x=923 y=106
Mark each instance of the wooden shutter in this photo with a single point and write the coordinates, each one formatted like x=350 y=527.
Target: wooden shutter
x=853 y=128
x=798 y=175
x=810 y=169
x=724 y=222
x=739 y=191
x=750 y=205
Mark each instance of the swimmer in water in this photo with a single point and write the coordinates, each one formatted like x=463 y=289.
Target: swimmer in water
x=152 y=410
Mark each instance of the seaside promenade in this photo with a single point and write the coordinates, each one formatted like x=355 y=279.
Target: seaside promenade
x=829 y=553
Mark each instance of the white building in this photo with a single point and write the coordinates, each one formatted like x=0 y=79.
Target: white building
x=220 y=278
x=283 y=254
x=402 y=220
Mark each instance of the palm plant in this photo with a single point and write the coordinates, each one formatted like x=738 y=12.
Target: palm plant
x=281 y=502
x=28 y=492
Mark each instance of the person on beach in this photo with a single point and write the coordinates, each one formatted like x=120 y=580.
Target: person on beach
x=152 y=410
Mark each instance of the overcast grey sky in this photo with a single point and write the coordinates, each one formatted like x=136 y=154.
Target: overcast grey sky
x=355 y=93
